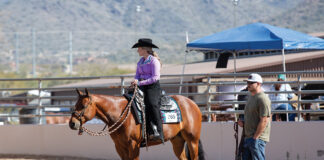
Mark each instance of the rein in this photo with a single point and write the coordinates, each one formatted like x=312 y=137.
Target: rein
x=102 y=132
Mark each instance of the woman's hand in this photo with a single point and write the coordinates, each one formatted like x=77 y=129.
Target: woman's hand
x=134 y=82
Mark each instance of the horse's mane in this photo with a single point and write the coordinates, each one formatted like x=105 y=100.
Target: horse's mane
x=110 y=97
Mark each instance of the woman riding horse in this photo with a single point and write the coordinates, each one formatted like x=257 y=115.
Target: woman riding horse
x=147 y=78
x=115 y=111
x=127 y=135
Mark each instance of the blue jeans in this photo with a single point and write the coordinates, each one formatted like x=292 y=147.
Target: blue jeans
x=291 y=116
x=254 y=149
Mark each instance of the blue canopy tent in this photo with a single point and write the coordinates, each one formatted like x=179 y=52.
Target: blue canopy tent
x=256 y=36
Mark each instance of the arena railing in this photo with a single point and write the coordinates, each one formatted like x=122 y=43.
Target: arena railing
x=207 y=81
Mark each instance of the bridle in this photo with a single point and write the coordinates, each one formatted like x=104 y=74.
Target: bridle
x=109 y=129
x=81 y=114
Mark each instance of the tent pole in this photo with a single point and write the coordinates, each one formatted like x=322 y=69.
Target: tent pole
x=184 y=65
x=234 y=56
x=183 y=70
x=235 y=95
x=283 y=60
x=284 y=69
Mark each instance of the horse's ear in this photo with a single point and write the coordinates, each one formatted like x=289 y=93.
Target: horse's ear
x=79 y=93
x=86 y=91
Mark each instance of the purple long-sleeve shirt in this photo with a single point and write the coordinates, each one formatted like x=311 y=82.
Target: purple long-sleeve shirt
x=148 y=71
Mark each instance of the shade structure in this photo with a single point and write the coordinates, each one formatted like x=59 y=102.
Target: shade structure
x=257 y=36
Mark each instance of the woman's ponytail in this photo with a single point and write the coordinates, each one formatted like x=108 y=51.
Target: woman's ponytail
x=154 y=54
x=157 y=57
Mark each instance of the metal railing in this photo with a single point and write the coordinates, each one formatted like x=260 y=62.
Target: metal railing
x=206 y=81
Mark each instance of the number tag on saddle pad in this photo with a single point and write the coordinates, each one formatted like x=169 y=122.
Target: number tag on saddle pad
x=169 y=117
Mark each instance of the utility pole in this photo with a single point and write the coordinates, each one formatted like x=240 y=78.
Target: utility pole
x=137 y=27
x=34 y=52
x=17 y=52
x=70 y=52
x=235 y=3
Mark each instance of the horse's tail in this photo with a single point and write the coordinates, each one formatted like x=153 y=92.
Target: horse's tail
x=201 y=153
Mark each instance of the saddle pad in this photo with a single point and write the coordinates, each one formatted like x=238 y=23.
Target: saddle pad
x=167 y=116
x=171 y=116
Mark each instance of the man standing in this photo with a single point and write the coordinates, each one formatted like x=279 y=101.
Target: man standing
x=257 y=121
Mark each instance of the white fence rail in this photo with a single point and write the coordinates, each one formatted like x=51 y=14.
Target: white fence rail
x=205 y=95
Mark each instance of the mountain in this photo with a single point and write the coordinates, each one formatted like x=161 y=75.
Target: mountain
x=153 y=16
x=106 y=29
x=308 y=16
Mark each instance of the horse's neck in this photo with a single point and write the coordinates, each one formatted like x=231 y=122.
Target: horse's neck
x=109 y=107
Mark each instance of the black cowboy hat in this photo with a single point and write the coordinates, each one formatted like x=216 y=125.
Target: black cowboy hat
x=144 y=42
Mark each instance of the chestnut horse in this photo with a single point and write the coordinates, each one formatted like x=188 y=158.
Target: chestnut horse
x=128 y=137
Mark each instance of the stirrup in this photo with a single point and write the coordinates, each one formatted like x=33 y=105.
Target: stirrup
x=154 y=136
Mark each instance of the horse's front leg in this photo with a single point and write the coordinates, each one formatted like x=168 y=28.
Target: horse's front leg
x=122 y=151
x=133 y=150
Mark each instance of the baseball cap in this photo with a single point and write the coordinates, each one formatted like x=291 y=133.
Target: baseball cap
x=254 y=77
x=282 y=76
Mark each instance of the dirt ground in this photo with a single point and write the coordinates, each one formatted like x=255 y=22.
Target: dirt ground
x=41 y=157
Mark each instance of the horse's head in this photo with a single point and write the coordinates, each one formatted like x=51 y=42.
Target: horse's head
x=84 y=110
